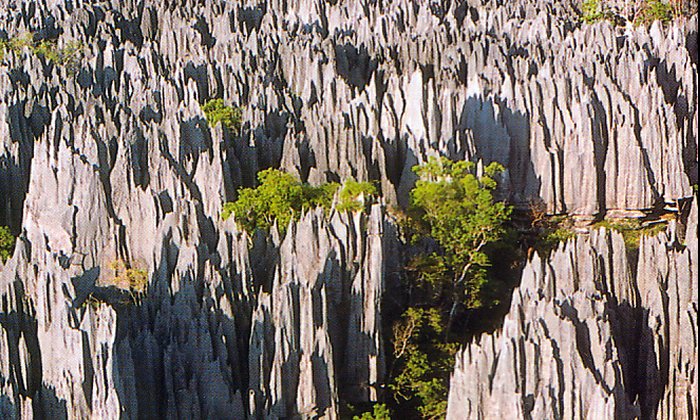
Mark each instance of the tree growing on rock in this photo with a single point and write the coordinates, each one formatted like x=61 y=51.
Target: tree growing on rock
x=217 y=112
x=456 y=207
x=453 y=207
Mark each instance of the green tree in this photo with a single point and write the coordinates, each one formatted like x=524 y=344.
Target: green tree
x=7 y=243
x=452 y=205
x=456 y=207
x=281 y=197
x=424 y=363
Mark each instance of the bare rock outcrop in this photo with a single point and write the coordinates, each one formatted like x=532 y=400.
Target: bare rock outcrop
x=586 y=337
x=108 y=161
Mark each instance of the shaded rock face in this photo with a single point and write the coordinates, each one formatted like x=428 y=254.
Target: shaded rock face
x=209 y=339
x=112 y=160
x=586 y=337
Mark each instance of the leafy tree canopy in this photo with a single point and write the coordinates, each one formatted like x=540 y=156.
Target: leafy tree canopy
x=281 y=197
x=457 y=208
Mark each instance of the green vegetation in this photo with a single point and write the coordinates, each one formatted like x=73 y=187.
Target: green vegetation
x=641 y=13
x=456 y=207
x=353 y=194
x=68 y=56
x=16 y=44
x=216 y=112
x=282 y=198
x=453 y=208
x=379 y=412
x=652 y=10
x=128 y=278
x=424 y=362
x=7 y=243
x=632 y=230
x=549 y=231
x=554 y=236
x=594 y=10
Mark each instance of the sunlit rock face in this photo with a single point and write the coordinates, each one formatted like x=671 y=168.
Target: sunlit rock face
x=111 y=159
x=588 y=336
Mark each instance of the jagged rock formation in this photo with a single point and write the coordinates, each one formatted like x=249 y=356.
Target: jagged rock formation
x=112 y=160
x=586 y=337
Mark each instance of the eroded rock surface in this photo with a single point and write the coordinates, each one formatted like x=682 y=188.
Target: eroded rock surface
x=110 y=159
x=586 y=337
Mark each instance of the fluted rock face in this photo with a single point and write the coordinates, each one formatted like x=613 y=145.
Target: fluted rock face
x=586 y=337
x=207 y=334
x=321 y=312
x=333 y=90
x=110 y=159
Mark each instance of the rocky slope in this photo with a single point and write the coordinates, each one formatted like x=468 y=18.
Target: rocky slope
x=110 y=159
x=586 y=337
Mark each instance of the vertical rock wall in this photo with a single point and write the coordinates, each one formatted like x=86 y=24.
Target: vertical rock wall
x=586 y=337
x=110 y=159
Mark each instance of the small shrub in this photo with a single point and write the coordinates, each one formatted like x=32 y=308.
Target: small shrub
x=549 y=231
x=68 y=56
x=632 y=230
x=16 y=44
x=555 y=236
x=7 y=243
x=279 y=197
x=594 y=10
x=352 y=194
x=216 y=112
x=282 y=198
x=127 y=278
x=48 y=50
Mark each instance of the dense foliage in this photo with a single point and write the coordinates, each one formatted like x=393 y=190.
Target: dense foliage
x=458 y=210
x=425 y=361
x=281 y=198
x=643 y=12
x=453 y=207
x=379 y=412
x=595 y=10
x=7 y=243
x=652 y=10
x=352 y=195
x=217 y=112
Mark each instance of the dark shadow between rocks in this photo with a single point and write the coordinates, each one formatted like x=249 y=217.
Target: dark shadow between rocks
x=159 y=339
x=354 y=65
x=26 y=380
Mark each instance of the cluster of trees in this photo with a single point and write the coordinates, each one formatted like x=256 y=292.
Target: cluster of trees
x=453 y=209
x=280 y=198
x=216 y=111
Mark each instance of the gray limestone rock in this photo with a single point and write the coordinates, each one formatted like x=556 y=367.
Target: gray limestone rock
x=108 y=158
x=586 y=337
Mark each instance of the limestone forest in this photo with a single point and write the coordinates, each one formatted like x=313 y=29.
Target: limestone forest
x=355 y=210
